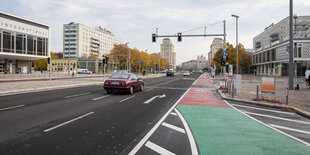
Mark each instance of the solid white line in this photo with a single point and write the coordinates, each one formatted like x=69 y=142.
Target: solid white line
x=148 y=135
x=149 y=90
x=13 y=107
x=291 y=120
x=98 y=98
x=173 y=127
x=127 y=98
x=282 y=112
x=158 y=149
x=301 y=141
x=77 y=95
x=172 y=113
x=189 y=134
x=62 y=124
x=291 y=129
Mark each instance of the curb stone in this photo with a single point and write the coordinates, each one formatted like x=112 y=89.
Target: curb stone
x=283 y=107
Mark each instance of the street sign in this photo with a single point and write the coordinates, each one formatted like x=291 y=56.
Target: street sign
x=224 y=53
x=287 y=48
x=224 y=47
x=140 y=62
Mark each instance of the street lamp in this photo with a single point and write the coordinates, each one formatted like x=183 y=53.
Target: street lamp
x=237 y=64
x=291 y=54
x=129 y=66
x=69 y=46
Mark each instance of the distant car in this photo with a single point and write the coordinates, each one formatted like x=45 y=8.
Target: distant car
x=191 y=73
x=123 y=82
x=84 y=71
x=186 y=73
x=170 y=73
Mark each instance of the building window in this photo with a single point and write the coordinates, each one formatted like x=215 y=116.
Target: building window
x=30 y=42
x=40 y=46
x=268 y=55
x=6 y=41
x=299 y=52
x=19 y=43
x=273 y=54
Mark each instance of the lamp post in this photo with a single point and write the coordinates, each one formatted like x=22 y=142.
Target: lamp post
x=129 y=66
x=291 y=54
x=69 y=47
x=237 y=64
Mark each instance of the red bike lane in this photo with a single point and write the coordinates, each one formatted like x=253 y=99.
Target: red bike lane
x=220 y=129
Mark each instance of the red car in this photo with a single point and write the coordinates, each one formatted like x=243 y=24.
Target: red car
x=124 y=82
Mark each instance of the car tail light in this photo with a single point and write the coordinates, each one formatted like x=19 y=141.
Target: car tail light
x=123 y=83
x=106 y=83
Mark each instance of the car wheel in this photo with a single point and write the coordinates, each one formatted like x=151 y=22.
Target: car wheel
x=142 y=88
x=109 y=91
x=131 y=91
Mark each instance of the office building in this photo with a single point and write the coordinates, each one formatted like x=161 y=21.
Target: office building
x=217 y=44
x=82 y=41
x=167 y=52
x=271 y=56
x=22 y=41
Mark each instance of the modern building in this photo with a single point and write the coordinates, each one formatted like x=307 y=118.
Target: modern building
x=189 y=65
x=22 y=41
x=217 y=44
x=91 y=64
x=271 y=56
x=82 y=41
x=167 y=52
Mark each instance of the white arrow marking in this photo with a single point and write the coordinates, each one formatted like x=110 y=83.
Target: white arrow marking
x=151 y=99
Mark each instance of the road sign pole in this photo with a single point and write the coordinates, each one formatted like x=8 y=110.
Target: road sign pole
x=291 y=54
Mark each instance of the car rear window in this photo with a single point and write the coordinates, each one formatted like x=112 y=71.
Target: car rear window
x=120 y=76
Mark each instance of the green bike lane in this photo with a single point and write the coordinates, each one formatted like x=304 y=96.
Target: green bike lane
x=220 y=129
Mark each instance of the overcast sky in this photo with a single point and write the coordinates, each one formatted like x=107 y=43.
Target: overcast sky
x=135 y=20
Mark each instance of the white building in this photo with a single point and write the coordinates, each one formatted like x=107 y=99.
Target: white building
x=271 y=56
x=85 y=41
x=21 y=41
x=201 y=62
x=194 y=65
x=167 y=52
x=217 y=44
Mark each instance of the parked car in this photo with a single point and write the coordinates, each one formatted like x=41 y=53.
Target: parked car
x=186 y=73
x=84 y=71
x=307 y=77
x=170 y=73
x=123 y=82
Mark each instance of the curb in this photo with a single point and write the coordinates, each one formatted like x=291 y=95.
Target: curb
x=283 y=107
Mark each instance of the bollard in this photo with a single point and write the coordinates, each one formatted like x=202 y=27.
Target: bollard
x=286 y=96
x=232 y=93
x=257 y=94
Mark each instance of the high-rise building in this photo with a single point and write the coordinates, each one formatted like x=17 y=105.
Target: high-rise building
x=82 y=41
x=167 y=52
x=217 y=44
x=21 y=41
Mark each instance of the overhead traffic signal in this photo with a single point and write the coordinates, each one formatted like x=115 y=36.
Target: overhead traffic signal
x=179 y=37
x=153 y=37
x=104 y=59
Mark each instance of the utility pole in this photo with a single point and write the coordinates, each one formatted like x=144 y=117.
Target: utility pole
x=291 y=54
x=224 y=41
x=237 y=64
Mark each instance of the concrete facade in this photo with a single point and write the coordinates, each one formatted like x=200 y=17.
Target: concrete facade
x=270 y=48
x=217 y=44
x=167 y=52
x=22 y=41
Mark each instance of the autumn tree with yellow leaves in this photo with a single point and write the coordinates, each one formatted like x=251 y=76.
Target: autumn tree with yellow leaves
x=41 y=64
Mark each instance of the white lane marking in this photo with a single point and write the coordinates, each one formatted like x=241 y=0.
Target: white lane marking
x=127 y=98
x=77 y=95
x=197 y=79
x=158 y=149
x=13 y=107
x=175 y=114
x=282 y=112
x=189 y=134
x=98 y=98
x=291 y=129
x=291 y=120
x=301 y=141
x=72 y=120
x=153 y=98
x=149 y=90
x=173 y=127
x=149 y=134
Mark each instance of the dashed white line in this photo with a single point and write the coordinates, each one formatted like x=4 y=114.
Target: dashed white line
x=175 y=114
x=189 y=134
x=149 y=90
x=149 y=134
x=281 y=112
x=77 y=95
x=62 y=124
x=173 y=127
x=127 y=98
x=13 y=107
x=98 y=98
x=291 y=120
x=291 y=129
x=301 y=141
x=158 y=148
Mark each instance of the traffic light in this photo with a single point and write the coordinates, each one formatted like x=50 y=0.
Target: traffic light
x=179 y=37
x=153 y=37
x=48 y=60
x=223 y=61
x=106 y=59
x=103 y=59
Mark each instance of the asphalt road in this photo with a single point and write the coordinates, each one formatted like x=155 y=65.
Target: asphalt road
x=85 y=120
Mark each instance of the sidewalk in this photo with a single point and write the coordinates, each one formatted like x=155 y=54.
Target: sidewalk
x=220 y=129
x=299 y=99
x=17 y=87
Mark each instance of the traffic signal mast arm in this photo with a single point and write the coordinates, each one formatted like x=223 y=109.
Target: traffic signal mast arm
x=189 y=35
